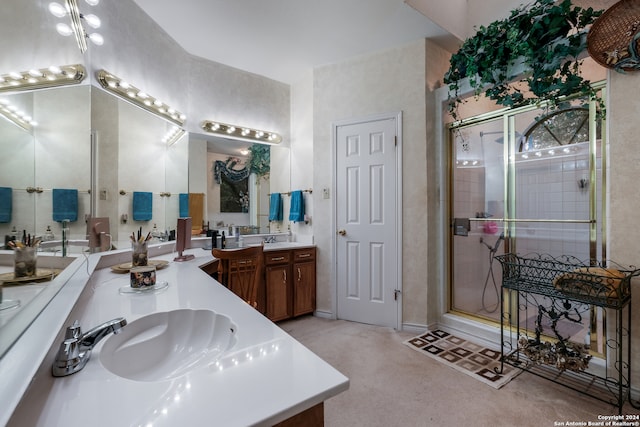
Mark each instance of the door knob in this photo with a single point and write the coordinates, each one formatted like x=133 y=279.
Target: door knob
x=342 y=232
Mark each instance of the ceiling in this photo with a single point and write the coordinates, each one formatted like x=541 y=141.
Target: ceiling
x=281 y=39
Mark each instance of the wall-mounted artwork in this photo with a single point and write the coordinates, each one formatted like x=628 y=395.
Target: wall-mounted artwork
x=234 y=185
x=234 y=196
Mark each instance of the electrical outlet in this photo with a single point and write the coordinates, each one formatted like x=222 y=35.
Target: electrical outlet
x=325 y=193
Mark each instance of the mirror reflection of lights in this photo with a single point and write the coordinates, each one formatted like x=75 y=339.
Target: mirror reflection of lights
x=15 y=116
x=469 y=163
x=574 y=149
x=173 y=135
x=77 y=19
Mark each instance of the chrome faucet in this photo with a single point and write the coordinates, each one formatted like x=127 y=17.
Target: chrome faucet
x=270 y=239
x=75 y=350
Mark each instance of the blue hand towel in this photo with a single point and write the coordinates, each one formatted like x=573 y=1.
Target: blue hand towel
x=6 y=203
x=275 y=207
x=142 y=206
x=296 y=211
x=184 y=205
x=65 y=205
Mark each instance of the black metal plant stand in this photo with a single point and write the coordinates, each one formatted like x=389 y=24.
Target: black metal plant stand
x=564 y=289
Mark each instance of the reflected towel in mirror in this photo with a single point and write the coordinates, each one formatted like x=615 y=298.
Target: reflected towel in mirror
x=65 y=205
x=142 y=205
x=275 y=207
x=184 y=205
x=6 y=203
x=296 y=212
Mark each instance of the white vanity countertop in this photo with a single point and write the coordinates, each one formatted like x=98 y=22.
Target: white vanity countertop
x=268 y=389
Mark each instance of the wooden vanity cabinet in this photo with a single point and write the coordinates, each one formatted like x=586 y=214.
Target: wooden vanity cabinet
x=304 y=281
x=278 y=285
x=290 y=283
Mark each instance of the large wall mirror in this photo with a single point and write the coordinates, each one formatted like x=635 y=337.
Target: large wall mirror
x=53 y=154
x=97 y=144
x=135 y=154
x=261 y=168
x=238 y=184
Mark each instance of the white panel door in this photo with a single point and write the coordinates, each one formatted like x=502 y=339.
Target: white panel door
x=366 y=246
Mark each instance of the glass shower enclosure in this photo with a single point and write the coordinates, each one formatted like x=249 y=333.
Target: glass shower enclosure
x=525 y=181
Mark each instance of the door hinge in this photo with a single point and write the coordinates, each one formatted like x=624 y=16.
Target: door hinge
x=395 y=141
x=396 y=292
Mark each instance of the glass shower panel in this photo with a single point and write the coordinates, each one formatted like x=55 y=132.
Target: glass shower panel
x=477 y=209
x=544 y=197
x=553 y=185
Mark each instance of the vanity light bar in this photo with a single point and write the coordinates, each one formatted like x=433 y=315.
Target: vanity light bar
x=173 y=136
x=143 y=100
x=15 y=116
x=240 y=132
x=42 y=78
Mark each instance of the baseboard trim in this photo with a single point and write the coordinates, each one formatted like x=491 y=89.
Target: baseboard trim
x=324 y=314
x=415 y=328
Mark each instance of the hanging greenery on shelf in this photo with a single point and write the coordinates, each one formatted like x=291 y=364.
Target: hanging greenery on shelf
x=260 y=160
x=545 y=38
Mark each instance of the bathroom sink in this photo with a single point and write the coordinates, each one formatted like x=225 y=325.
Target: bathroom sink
x=166 y=345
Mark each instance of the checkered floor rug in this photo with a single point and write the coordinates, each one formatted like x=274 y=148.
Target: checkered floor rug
x=464 y=356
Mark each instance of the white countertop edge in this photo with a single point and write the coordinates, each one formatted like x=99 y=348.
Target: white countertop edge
x=22 y=363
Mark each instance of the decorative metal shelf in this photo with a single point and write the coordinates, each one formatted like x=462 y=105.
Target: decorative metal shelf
x=567 y=277
x=563 y=289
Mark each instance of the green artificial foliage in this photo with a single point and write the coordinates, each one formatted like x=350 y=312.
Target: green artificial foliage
x=545 y=37
x=260 y=160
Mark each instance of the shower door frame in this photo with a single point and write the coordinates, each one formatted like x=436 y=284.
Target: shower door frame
x=509 y=220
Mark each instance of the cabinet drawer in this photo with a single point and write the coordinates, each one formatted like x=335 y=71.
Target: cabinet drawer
x=276 y=257
x=304 y=254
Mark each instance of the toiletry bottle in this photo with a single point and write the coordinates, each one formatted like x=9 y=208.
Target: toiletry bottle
x=155 y=233
x=214 y=239
x=223 y=241
x=48 y=235
x=15 y=234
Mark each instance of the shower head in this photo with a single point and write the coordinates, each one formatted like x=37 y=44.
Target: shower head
x=496 y=245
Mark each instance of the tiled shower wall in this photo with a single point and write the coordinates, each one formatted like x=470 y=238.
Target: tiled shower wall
x=546 y=188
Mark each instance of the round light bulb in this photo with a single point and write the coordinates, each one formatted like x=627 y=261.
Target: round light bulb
x=64 y=29
x=96 y=39
x=92 y=20
x=57 y=10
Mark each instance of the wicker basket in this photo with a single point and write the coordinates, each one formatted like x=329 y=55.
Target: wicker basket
x=613 y=40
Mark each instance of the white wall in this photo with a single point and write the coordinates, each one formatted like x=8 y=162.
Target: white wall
x=389 y=81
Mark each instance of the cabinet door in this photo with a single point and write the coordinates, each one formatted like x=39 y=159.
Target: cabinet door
x=304 y=287
x=278 y=296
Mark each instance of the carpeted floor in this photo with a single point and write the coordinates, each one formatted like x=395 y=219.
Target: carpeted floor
x=392 y=385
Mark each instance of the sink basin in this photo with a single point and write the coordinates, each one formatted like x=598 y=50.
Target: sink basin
x=166 y=345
